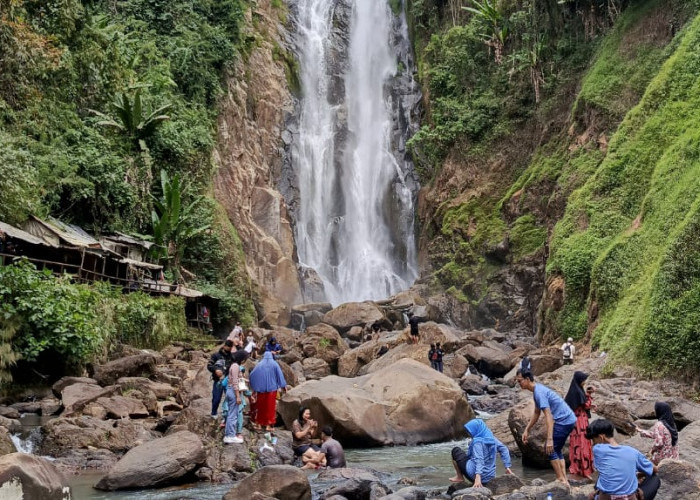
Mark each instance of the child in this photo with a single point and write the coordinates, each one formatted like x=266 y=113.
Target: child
x=245 y=393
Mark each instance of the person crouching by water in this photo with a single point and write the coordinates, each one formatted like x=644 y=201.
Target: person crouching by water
x=331 y=449
x=478 y=464
x=304 y=429
x=559 y=419
x=617 y=467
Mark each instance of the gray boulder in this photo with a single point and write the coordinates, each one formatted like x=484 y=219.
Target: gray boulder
x=157 y=463
x=137 y=365
x=679 y=479
x=31 y=477
x=283 y=482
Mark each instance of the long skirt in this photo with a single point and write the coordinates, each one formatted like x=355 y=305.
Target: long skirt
x=266 y=408
x=580 y=450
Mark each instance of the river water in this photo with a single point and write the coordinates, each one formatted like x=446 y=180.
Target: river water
x=429 y=466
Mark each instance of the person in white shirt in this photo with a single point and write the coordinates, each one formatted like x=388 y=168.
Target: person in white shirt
x=567 y=350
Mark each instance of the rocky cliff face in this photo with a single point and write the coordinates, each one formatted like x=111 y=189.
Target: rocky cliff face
x=249 y=159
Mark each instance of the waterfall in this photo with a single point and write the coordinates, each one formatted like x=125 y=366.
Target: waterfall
x=356 y=185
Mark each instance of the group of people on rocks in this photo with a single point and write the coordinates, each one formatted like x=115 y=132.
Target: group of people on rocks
x=259 y=393
x=592 y=445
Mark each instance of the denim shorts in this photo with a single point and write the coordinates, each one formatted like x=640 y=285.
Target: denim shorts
x=559 y=435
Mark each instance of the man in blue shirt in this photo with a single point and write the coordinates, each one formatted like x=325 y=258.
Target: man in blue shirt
x=559 y=419
x=617 y=466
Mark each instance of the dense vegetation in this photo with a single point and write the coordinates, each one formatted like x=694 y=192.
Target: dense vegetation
x=97 y=98
x=524 y=103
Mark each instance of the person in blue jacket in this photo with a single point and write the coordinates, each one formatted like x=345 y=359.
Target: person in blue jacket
x=478 y=464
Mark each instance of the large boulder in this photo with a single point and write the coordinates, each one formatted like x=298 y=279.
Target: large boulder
x=684 y=411
x=618 y=414
x=315 y=368
x=689 y=438
x=350 y=314
x=64 y=382
x=283 y=482
x=118 y=407
x=157 y=463
x=350 y=363
x=137 y=365
x=431 y=333
x=491 y=358
x=76 y=396
x=416 y=352
x=159 y=389
x=64 y=434
x=11 y=424
x=30 y=477
x=679 y=479
x=6 y=444
x=405 y=403
x=533 y=452
x=324 y=342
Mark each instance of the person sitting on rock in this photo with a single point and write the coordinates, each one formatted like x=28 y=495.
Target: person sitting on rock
x=559 y=418
x=664 y=433
x=331 y=449
x=273 y=347
x=478 y=464
x=617 y=467
x=304 y=430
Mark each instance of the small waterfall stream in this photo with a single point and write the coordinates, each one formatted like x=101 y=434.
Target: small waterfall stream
x=354 y=224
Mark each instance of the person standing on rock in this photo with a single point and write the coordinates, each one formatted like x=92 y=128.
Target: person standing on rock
x=567 y=351
x=664 y=433
x=432 y=356
x=617 y=467
x=478 y=464
x=559 y=419
x=413 y=321
x=219 y=360
x=233 y=399
x=440 y=354
x=580 y=450
x=265 y=380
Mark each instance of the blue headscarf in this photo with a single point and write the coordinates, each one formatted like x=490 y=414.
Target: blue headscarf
x=267 y=376
x=479 y=432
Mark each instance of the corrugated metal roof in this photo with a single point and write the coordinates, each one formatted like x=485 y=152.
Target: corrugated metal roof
x=72 y=234
x=13 y=232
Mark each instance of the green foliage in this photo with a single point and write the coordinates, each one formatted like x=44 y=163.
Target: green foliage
x=174 y=222
x=133 y=118
x=42 y=313
x=627 y=241
x=526 y=237
x=18 y=183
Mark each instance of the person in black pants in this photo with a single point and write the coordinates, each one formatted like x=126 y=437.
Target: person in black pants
x=220 y=360
x=440 y=353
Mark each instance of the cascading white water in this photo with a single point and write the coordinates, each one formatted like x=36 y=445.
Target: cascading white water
x=355 y=219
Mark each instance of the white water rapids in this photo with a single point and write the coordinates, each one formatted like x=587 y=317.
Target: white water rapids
x=355 y=219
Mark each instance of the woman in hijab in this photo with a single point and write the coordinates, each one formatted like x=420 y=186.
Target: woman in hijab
x=664 y=433
x=265 y=380
x=478 y=464
x=580 y=449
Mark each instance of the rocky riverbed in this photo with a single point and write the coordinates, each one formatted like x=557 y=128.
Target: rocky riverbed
x=141 y=420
